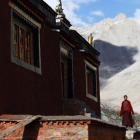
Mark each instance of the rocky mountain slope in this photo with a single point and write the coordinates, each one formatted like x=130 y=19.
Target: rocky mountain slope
x=118 y=41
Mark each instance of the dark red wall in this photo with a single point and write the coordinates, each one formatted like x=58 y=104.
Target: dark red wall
x=23 y=91
x=80 y=82
x=104 y=131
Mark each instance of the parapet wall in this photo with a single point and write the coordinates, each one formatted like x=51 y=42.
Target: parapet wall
x=63 y=128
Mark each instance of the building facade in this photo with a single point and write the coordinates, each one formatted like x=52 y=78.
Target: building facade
x=45 y=68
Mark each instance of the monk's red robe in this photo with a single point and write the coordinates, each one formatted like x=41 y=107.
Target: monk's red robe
x=126 y=110
x=126 y=107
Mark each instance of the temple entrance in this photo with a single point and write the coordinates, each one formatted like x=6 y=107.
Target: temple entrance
x=66 y=74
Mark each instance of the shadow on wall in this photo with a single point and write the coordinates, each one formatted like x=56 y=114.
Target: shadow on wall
x=31 y=131
x=114 y=59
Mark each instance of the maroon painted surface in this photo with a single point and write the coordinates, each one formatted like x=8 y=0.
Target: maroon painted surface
x=23 y=91
x=79 y=74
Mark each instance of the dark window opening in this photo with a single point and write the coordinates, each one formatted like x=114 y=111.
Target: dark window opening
x=91 y=81
x=62 y=77
x=66 y=76
x=70 y=77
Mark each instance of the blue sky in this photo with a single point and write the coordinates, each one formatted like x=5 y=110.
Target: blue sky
x=84 y=13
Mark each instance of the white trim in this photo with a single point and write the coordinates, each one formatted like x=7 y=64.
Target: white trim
x=26 y=65
x=39 y=49
x=91 y=66
x=89 y=95
x=92 y=97
x=64 y=51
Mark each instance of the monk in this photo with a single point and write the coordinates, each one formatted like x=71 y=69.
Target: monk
x=126 y=110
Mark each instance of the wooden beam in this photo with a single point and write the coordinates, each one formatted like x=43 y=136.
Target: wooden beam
x=26 y=121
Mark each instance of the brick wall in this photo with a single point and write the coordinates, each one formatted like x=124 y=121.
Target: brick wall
x=83 y=129
x=48 y=131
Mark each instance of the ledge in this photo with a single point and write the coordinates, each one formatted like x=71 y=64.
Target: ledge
x=78 y=118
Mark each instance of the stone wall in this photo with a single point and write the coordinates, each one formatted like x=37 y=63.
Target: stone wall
x=85 y=128
x=48 y=131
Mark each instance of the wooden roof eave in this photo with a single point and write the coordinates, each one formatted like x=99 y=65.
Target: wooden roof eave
x=84 y=41
x=90 y=57
x=68 y=38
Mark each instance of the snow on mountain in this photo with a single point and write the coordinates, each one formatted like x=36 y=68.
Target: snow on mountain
x=118 y=41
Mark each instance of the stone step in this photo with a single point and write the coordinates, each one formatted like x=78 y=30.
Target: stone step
x=76 y=104
x=130 y=133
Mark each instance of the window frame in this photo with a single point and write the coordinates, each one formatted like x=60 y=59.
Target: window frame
x=26 y=30
x=92 y=67
x=18 y=61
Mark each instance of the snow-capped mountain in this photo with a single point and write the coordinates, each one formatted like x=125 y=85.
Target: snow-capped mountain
x=118 y=41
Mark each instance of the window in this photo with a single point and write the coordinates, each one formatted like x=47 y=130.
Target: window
x=25 y=43
x=91 y=81
x=22 y=43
